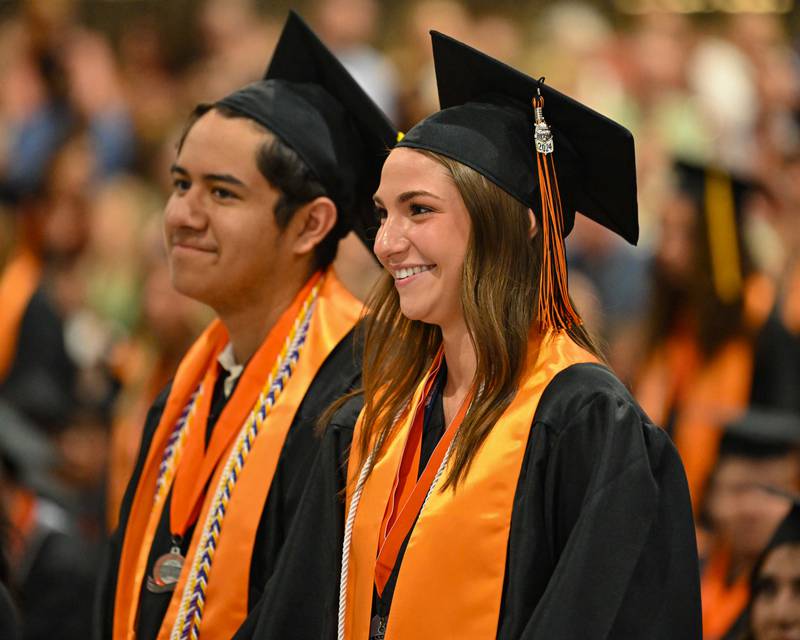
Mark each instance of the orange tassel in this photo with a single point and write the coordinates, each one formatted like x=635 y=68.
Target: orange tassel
x=555 y=310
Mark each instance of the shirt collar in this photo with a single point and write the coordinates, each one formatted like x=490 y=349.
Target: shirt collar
x=233 y=370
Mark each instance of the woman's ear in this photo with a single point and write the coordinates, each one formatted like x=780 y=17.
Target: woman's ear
x=313 y=221
x=534 y=228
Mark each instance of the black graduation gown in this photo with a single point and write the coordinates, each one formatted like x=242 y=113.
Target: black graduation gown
x=776 y=367
x=339 y=374
x=55 y=580
x=40 y=383
x=601 y=544
x=9 y=618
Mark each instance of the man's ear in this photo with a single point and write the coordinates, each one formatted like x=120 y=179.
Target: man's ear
x=534 y=228
x=311 y=223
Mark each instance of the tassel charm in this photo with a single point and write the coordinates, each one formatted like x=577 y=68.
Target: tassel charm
x=542 y=136
x=555 y=311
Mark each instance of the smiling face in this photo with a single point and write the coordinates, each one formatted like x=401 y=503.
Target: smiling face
x=223 y=243
x=423 y=238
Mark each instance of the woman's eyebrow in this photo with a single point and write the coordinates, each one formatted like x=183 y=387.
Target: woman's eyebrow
x=408 y=195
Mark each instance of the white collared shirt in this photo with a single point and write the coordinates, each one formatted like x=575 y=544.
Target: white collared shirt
x=233 y=370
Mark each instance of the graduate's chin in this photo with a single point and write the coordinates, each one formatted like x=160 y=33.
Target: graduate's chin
x=191 y=285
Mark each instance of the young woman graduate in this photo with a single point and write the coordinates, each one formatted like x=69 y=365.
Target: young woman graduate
x=502 y=482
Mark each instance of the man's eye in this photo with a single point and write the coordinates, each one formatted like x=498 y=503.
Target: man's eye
x=181 y=184
x=380 y=214
x=222 y=193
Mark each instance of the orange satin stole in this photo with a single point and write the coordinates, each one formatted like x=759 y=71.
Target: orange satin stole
x=790 y=308
x=335 y=314
x=438 y=594
x=723 y=603
x=17 y=285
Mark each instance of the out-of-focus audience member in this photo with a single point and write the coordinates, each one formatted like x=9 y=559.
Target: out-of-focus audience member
x=33 y=113
x=619 y=276
x=97 y=98
x=51 y=572
x=235 y=40
x=349 y=28
x=759 y=448
x=40 y=374
x=779 y=358
x=707 y=307
x=411 y=51
x=774 y=608
x=9 y=616
x=146 y=361
x=153 y=90
x=116 y=258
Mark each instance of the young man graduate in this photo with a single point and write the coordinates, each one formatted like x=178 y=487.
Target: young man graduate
x=267 y=180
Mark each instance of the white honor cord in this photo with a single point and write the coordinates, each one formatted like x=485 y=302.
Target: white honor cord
x=351 y=517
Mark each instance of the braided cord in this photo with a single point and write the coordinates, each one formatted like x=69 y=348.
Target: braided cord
x=174 y=448
x=351 y=517
x=190 y=612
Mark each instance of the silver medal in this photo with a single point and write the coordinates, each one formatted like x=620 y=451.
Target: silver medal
x=377 y=628
x=166 y=572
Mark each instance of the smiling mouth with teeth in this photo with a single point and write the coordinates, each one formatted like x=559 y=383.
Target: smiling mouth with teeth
x=402 y=274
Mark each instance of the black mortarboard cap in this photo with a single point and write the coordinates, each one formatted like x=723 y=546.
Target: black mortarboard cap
x=309 y=100
x=692 y=180
x=788 y=531
x=761 y=433
x=487 y=123
x=719 y=197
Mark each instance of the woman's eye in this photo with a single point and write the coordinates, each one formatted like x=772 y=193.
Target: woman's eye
x=181 y=184
x=418 y=209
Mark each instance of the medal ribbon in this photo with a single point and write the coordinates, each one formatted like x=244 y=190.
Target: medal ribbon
x=407 y=497
x=186 y=497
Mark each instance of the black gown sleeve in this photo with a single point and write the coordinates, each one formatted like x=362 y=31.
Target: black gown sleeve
x=300 y=600
x=602 y=543
x=103 y=618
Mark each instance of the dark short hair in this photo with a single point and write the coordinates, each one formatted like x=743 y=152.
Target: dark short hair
x=285 y=170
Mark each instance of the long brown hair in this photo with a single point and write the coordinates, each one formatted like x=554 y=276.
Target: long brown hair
x=498 y=296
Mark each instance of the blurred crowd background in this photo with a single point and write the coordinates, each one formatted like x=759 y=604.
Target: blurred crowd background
x=701 y=320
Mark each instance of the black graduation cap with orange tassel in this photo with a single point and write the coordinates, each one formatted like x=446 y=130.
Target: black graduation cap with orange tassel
x=550 y=152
